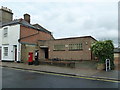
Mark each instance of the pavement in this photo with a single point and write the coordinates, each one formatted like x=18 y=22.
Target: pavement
x=94 y=73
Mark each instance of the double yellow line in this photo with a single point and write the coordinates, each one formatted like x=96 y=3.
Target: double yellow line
x=83 y=77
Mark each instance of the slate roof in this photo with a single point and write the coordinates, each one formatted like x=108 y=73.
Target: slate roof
x=24 y=23
x=39 y=27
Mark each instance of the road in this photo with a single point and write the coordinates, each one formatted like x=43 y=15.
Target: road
x=12 y=78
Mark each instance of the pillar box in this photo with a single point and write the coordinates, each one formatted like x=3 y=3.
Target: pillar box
x=30 y=58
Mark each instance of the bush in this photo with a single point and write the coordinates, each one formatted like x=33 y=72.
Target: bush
x=104 y=50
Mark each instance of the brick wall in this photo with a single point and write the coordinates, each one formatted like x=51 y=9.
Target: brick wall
x=25 y=51
x=84 y=54
x=116 y=58
x=33 y=34
x=32 y=37
x=117 y=61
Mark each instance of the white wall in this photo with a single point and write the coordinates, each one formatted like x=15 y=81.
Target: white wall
x=10 y=41
x=13 y=35
x=0 y=36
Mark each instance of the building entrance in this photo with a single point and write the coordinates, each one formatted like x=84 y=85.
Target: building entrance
x=15 y=52
x=46 y=53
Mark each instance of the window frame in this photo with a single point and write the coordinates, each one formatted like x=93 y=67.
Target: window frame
x=75 y=47
x=59 y=47
x=5 y=51
x=5 y=32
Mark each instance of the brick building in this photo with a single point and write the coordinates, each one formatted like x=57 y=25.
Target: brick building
x=19 y=37
x=76 y=48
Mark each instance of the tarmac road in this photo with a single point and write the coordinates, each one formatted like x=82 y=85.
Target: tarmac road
x=13 y=78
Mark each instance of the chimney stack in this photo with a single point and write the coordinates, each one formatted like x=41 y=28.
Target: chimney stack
x=6 y=15
x=27 y=17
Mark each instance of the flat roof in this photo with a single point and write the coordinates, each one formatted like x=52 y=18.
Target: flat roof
x=68 y=38
x=76 y=38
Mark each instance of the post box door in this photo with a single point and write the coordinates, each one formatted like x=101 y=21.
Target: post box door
x=30 y=58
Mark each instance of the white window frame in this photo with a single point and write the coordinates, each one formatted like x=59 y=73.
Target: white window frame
x=5 y=32
x=5 y=51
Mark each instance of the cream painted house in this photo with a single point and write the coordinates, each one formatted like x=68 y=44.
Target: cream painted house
x=10 y=47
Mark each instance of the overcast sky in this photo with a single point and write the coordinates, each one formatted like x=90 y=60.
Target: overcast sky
x=72 y=18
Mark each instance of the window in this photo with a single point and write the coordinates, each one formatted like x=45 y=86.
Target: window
x=59 y=47
x=75 y=46
x=5 y=32
x=5 y=51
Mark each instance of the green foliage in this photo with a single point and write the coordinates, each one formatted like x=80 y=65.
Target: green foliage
x=104 y=50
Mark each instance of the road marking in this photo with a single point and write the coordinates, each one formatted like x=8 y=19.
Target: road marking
x=90 y=78
x=77 y=77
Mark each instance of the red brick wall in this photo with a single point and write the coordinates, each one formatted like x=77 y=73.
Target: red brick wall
x=39 y=35
x=116 y=58
x=84 y=54
x=117 y=61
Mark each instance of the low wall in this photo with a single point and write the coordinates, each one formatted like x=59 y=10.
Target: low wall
x=86 y=64
x=73 y=64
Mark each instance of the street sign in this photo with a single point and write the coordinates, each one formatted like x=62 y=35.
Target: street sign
x=107 y=64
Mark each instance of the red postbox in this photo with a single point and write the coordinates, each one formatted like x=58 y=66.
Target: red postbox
x=30 y=58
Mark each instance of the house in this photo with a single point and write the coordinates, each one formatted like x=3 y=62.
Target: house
x=19 y=37
x=73 y=49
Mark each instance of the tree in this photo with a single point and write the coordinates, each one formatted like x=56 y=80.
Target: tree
x=104 y=50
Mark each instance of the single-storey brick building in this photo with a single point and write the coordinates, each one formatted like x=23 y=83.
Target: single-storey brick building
x=75 y=48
